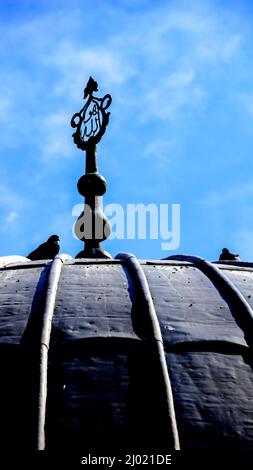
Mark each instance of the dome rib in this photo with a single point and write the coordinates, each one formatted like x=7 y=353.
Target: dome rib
x=143 y=303
x=50 y=297
x=238 y=305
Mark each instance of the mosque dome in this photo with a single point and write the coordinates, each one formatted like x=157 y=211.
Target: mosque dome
x=136 y=352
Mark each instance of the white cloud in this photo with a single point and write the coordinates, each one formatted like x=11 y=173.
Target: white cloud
x=11 y=216
x=245 y=101
x=56 y=138
x=10 y=199
x=131 y=61
x=5 y=108
x=159 y=150
x=243 y=241
x=12 y=205
x=171 y=99
x=75 y=64
x=218 y=198
x=180 y=79
x=218 y=48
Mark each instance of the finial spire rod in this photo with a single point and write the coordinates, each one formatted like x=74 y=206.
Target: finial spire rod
x=92 y=226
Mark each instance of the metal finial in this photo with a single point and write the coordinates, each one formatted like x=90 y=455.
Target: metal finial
x=92 y=226
x=91 y=121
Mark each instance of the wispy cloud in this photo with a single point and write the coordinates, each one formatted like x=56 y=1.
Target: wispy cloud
x=72 y=62
x=173 y=95
x=245 y=101
x=11 y=216
x=159 y=151
x=225 y=196
x=10 y=199
x=218 y=47
x=5 y=108
x=12 y=207
x=243 y=240
x=56 y=141
x=158 y=68
x=168 y=65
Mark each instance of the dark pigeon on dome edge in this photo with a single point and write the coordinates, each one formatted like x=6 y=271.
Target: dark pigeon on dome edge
x=227 y=256
x=47 y=250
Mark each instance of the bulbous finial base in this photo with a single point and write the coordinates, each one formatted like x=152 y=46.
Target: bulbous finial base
x=91 y=184
x=93 y=253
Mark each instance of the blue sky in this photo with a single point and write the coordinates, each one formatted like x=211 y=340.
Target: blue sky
x=181 y=128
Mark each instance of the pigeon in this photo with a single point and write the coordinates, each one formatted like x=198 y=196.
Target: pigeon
x=227 y=256
x=47 y=250
x=91 y=86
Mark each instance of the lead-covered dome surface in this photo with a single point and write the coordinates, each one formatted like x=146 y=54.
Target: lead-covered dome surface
x=101 y=379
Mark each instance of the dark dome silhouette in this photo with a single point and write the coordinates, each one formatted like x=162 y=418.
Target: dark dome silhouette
x=109 y=373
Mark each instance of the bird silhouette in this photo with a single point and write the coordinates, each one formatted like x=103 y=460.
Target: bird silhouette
x=91 y=86
x=47 y=250
x=227 y=256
